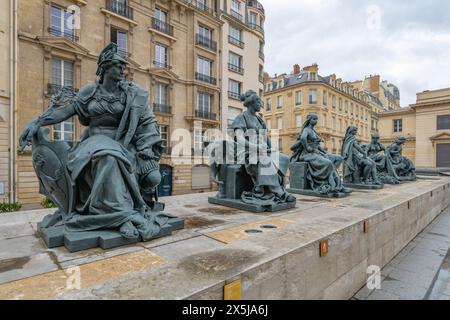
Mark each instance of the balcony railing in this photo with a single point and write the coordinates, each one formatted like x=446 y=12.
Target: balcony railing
x=205 y=115
x=205 y=42
x=201 y=6
x=235 y=14
x=235 y=68
x=66 y=34
x=120 y=7
x=256 y=27
x=205 y=78
x=234 y=95
x=162 y=108
x=56 y=88
x=256 y=4
x=261 y=55
x=236 y=42
x=162 y=26
x=161 y=64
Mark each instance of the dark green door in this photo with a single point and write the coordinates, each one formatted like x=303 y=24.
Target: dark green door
x=165 y=187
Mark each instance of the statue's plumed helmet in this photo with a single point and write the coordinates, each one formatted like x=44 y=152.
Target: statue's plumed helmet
x=109 y=54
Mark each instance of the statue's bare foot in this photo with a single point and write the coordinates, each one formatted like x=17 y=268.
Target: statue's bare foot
x=129 y=231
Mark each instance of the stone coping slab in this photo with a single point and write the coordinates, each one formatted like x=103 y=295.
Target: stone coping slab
x=278 y=259
x=317 y=194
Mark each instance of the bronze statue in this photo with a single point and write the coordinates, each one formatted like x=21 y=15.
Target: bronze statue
x=255 y=179
x=111 y=174
x=377 y=152
x=402 y=167
x=312 y=168
x=359 y=170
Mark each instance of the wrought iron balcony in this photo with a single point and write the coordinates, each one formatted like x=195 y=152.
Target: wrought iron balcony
x=235 y=15
x=256 y=27
x=236 y=42
x=162 y=26
x=205 y=42
x=205 y=78
x=256 y=4
x=235 y=68
x=201 y=6
x=261 y=55
x=205 y=115
x=162 y=108
x=234 y=95
x=120 y=7
x=53 y=89
x=161 y=64
x=66 y=34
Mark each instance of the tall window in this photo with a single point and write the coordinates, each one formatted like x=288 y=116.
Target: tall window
x=253 y=18
x=198 y=139
x=443 y=122
x=298 y=120
x=201 y=4
x=280 y=123
x=324 y=98
x=298 y=98
x=235 y=60
x=268 y=104
x=280 y=102
x=161 y=57
x=234 y=89
x=160 y=15
x=205 y=34
x=204 y=103
x=60 y=24
x=398 y=125
x=204 y=66
x=120 y=38
x=235 y=6
x=164 y=134
x=333 y=101
x=62 y=76
x=312 y=96
x=235 y=33
x=161 y=94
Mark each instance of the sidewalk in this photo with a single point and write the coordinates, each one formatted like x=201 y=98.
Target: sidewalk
x=421 y=270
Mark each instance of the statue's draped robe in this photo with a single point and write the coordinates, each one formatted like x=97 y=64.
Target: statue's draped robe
x=400 y=165
x=322 y=173
x=383 y=162
x=352 y=157
x=104 y=165
x=268 y=171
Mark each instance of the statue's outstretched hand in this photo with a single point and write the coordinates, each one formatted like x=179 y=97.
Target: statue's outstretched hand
x=27 y=135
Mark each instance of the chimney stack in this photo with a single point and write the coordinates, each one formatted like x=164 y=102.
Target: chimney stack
x=296 y=69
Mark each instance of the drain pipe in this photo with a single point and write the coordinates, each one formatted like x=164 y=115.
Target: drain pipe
x=12 y=163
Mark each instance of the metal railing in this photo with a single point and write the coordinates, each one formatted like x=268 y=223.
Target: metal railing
x=256 y=27
x=66 y=34
x=205 y=42
x=162 y=26
x=56 y=88
x=205 y=115
x=120 y=7
x=234 y=95
x=236 y=42
x=161 y=64
x=162 y=108
x=235 y=68
x=205 y=78
x=256 y=4
x=235 y=15
x=201 y=6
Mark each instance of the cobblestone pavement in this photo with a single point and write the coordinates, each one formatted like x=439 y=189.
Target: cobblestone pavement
x=421 y=270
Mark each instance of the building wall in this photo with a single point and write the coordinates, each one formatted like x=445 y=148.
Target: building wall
x=388 y=136
x=429 y=106
x=332 y=133
x=37 y=47
x=252 y=60
x=4 y=95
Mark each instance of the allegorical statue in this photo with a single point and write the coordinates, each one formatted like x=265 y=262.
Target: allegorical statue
x=254 y=180
x=376 y=151
x=107 y=181
x=312 y=168
x=359 y=170
x=402 y=167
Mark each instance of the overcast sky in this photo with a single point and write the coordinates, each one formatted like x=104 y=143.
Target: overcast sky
x=406 y=42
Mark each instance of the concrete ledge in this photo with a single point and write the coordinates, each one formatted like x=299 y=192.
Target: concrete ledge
x=281 y=261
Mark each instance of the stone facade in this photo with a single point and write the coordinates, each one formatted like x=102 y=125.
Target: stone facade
x=160 y=39
x=290 y=98
x=426 y=124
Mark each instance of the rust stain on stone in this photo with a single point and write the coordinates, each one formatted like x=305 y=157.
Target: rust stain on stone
x=200 y=222
x=13 y=264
